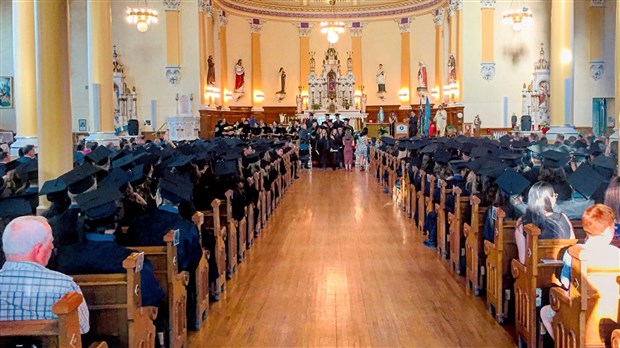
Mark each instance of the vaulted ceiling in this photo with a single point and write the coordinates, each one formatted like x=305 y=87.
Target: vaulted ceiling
x=315 y=10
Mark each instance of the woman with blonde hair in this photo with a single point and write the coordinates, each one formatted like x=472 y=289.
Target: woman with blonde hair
x=541 y=200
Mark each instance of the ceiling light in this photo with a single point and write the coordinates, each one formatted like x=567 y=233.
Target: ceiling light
x=141 y=17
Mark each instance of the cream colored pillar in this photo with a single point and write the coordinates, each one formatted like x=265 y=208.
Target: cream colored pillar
x=404 y=93
x=437 y=91
x=596 y=13
x=304 y=29
x=458 y=5
x=24 y=82
x=173 y=58
x=205 y=46
x=258 y=96
x=355 y=29
x=487 y=69
x=53 y=89
x=562 y=68
x=452 y=27
x=617 y=84
x=223 y=20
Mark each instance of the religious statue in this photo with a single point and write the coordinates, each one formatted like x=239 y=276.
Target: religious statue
x=349 y=62
x=381 y=79
x=422 y=77
x=299 y=100
x=282 y=74
x=513 y=120
x=363 y=100
x=239 y=76
x=210 y=71
x=441 y=117
x=312 y=62
x=477 y=124
x=380 y=115
x=451 y=69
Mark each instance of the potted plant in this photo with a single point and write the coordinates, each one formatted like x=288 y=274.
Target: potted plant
x=316 y=106
x=544 y=127
x=383 y=131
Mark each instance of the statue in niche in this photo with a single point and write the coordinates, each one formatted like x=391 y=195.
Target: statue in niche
x=210 y=71
x=282 y=75
x=381 y=79
x=312 y=62
x=477 y=123
x=451 y=69
x=349 y=62
x=331 y=84
x=239 y=76
x=422 y=77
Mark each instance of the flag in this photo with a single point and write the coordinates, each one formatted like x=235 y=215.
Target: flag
x=427 y=117
x=420 y=120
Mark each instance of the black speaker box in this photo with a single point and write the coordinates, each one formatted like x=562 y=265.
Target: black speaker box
x=526 y=123
x=133 y=127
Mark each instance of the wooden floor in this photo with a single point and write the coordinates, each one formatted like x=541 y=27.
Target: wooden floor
x=338 y=265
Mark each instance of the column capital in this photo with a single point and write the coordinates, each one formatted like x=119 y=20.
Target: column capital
x=456 y=4
x=173 y=74
x=438 y=17
x=597 y=3
x=404 y=24
x=256 y=25
x=205 y=6
x=487 y=70
x=488 y=4
x=304 y=28
x=172 y=5
x=222 y=17
x=355 y=28
x=597 y=68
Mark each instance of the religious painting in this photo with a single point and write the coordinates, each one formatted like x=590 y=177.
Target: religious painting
x=6 y=92
x=467 y=129
x=82 y=125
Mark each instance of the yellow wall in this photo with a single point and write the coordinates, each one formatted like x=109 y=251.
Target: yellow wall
x=283 y=52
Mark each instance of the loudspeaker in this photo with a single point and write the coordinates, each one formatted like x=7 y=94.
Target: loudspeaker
x=133 y=127
x=526 y=123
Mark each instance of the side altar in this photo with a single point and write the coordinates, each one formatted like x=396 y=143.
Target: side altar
x=331 y=91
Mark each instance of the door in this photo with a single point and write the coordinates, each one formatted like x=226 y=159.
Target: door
x=599 y=116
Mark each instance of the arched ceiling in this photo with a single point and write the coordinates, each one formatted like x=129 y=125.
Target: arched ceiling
x=316 y=10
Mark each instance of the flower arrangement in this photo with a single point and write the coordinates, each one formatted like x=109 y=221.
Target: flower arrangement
x=383 y=131
x=544 y=127
x=316 y=106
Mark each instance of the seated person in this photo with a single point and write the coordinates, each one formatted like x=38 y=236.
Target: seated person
x=541 y=200
x=598 y=222
x=28 y=289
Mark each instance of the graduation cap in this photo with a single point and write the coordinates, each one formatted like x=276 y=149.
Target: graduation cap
x=510 y=158
x=28 y=170
x=225 y=167
x=253 y=157
x=512 y=182
x=100 y=203
x=442 y=157
x=479 y=152
x=388 y=141
x=117 y=178
x=118 y=154
x=475 y=165
x=604 y=162
x=80 y=178
x=180 y=161
x=457 y=165
x=585 y=180
x=176 y=188
x=492 y=169
x=466 y=148
x=99 y=155
x=553 y=158
x=137 y=175
x=14 y=206
x=55 y=190
x=430 y=148
x=124 y=162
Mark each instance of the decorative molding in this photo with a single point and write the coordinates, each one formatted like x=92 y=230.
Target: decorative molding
x=597 y=69
x=438 y=16
x=457 y=4
x=356 y=28
x=597 y=3
x=172 y=5
x=222 y=18
x=206 y=7
x=488 y=3
x=173 y=74
x=404 y=24
x=487 y=70
x=256 y=27
x=304 y=28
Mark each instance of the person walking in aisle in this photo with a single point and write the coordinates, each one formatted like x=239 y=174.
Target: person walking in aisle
x=347 y=142
x=361 y=148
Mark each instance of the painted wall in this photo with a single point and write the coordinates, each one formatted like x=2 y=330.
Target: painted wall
x=7 y=116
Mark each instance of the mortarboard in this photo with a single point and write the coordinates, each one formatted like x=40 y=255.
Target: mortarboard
x=388 y=141
x=55 y=190
x=14 y=206
x=99 y=155
x=553 y=158
x=117 y=178
x=176 y=188
x=604 y=162
x=80 y=178
x=585 y=180
x=442 y=157
x=180 y=161
x=479 y=152
x=137 y=175
x=512 y=182
x=225 y=167
x=100 y=203
x=457 y=165
x=124 y=162
x=430 y=148
x=28 y=170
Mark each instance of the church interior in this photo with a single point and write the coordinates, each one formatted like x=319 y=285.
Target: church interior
x=284 y=173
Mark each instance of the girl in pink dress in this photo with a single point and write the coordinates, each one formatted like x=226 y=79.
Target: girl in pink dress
x=347 y=141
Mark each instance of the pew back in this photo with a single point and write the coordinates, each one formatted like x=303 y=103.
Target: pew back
x=474 y=246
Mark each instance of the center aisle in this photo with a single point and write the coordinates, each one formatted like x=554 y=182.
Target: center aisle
x=339 y=265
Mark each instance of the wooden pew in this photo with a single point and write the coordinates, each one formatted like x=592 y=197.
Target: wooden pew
x=589 y=311
x=474 y=246
x=115 y=305
x=410 y=203
x=258 y=218
x=202 y=277
x=213 y=226
x=239 y=228
x=63 y=332
x=499 y=255
x=440 y=208
x=420 y=204
x=428 y=200
x=531 y=277
x=404 y=187
x=231 y=236
x=455 y=221
x=165 y=267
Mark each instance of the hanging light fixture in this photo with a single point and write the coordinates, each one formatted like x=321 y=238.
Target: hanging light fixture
x=518 y=18
x=332 y=28
x=142 y=17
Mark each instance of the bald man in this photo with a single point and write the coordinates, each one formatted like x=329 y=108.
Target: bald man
x=28 y=289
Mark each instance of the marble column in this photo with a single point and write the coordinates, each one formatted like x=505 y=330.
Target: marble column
x=222 y=22
x=53 y=92
x=487 y=66
x=438 y=89
x=258 y=95
x=404 y=93
x=24 y=82
x=562 y=69
x=100 y=82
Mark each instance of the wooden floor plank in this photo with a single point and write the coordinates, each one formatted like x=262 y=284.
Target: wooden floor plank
x=339 y=266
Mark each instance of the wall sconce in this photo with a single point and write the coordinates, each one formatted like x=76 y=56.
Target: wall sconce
x=403 y=95
x=435 y=93
x=259 y=96
x=451 y=91
x=227 y=95
x=212 y=94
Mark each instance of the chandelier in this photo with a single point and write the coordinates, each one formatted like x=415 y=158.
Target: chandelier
x=518 y=18
x=332 y=28
x=142 y=17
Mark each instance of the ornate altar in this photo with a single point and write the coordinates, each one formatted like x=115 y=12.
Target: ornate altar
x=184 y=126
x=331 y=90
x=125 y=100
x=535 y=96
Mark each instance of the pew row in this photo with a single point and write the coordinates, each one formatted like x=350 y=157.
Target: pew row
x=456 y=237
x=474 y=248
